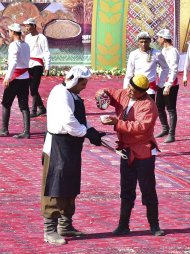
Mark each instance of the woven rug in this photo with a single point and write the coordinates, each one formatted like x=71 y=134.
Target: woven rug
x=97 y=208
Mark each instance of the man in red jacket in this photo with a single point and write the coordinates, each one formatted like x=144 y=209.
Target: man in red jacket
x=136 y=114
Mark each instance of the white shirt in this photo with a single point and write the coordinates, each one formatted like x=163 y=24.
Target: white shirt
x=18 y=58
x=172 y=57
x=60 y=116
x=138 y=64
x=60 y=113
x=39 y=49
x=186 y=65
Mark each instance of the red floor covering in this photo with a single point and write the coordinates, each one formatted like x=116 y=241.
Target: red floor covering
x=97 y=209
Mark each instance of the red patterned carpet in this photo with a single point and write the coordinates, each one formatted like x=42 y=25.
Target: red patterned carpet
x=97 y=210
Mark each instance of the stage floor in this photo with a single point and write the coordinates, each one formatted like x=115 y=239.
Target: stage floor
x=97 y=208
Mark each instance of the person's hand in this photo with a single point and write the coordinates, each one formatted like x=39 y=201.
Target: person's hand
x=166 y=90
x=95 y=136
x=185 y=82
x=46 y=73
x=111 y=120
x=6 y=82
x=102 y=99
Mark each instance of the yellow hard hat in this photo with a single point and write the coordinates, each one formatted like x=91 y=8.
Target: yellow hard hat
x=140 y=82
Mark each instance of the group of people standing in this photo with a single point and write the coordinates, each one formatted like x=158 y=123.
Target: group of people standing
x=67 y=127
x=134 y=121
x=146 y=60
x=26 y=63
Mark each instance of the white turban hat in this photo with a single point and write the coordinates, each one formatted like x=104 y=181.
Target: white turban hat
x=143 y=35
x=15 y=27
x=164 y=33
x=77 y=72
x=30 y=21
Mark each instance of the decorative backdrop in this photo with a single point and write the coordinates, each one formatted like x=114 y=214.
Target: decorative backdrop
x=68 y=25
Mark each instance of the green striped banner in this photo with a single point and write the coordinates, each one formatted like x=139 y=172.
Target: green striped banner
x=108 y=39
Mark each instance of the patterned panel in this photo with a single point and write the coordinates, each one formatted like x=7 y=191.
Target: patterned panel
x=151 y=16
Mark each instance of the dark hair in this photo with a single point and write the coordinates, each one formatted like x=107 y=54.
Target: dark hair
x=149 y=39
x=80 y=79
x=168 y=40
x=18 y=33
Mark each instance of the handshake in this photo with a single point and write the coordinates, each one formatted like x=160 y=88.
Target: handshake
x=95 y=136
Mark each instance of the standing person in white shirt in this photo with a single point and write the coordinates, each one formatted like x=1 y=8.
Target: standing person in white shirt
x=67 y=128
x=167 y=96
x=16 y=81
x=39 y=62
x=186 y=66
x=145 y=61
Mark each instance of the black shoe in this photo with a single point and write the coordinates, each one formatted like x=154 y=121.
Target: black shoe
x=4 y=133
x=121 y=230
x=41 y=112
x=169 y=139
x=157 y=231
x=162 y=134
x=22 y=135
x=32 y=115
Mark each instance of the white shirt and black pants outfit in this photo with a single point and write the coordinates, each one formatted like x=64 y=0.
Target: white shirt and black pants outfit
x=169 y=102
x=17 y=73
x=39 y=59
x=146 y=63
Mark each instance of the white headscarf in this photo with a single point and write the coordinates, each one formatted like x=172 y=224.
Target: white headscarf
x=77 y=72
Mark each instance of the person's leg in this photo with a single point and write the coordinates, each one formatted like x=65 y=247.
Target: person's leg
x=22 y=94
x=36 y=73
x=147 y=183
x=160 y=102
x=7 y=100
x=42 y=109
x=50 y=211
x=67 y=210
x=128 y=182
x=171 y=101
x=5 y=122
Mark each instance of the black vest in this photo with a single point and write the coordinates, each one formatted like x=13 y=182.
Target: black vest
x=64 y=173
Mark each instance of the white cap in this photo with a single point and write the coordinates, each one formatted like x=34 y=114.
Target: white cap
x=77 y=72
x=164 y=33
x=15 y=27
x=143 y=35
x=30 y=21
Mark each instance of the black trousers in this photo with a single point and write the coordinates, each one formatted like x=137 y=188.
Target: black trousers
x=167 y=101
x=19 y=88
x=143 y=172
x=36 y=74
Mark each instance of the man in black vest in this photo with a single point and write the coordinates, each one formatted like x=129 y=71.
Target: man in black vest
x=67 y=128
